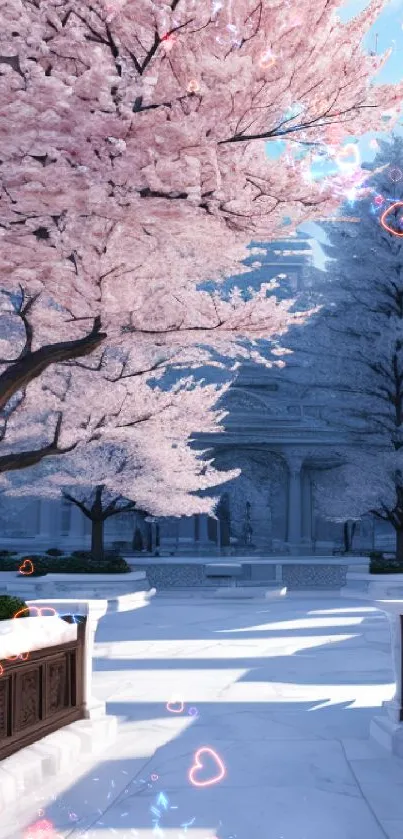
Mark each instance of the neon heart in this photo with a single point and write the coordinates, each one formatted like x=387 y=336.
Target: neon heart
x=193 y=86
x=384 y=216
x=267 y=60
x=348 y=151
x=40 y=611
x=172 y=703
x=198 y=764
x=27 y=567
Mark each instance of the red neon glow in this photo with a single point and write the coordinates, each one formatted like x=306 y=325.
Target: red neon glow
x=384 y=216
x=27 y=567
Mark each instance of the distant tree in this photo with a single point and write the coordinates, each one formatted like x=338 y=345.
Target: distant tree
x=134 y=455
x=352 y=351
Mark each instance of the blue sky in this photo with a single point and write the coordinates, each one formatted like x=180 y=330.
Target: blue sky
x=387 y=31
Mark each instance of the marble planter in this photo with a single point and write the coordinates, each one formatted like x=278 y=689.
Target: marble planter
x=25 y=635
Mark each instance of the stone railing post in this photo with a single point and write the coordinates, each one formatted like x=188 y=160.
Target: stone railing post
x=94 y=610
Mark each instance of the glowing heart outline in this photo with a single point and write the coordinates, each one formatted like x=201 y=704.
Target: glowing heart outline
x=385 y=214
x=267 y=60
x=38 y=609
x=199 y=765
x=345 y=152
x=175 y=701
x=23 y=564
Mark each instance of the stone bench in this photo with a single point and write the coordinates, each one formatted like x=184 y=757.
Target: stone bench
x=224 y=571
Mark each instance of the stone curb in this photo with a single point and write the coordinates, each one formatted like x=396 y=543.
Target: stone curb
x=116 y=603
x=223 y=593
x=53 y=754
x=125 y=602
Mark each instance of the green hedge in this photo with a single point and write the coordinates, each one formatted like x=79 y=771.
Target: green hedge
x=113 y=564
x=9 y=605
x=384 y=563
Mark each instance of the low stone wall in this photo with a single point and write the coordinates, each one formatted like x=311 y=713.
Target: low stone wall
x=74 y=585
x=304 y=573
x=297 y=577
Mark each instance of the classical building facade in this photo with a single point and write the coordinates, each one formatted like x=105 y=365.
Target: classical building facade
x=275 y=433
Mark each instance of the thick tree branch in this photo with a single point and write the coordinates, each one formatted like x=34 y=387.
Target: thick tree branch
x=33 y=364
x=304 y=126
x=78 y=504
x=22 y=460
x=112 y=510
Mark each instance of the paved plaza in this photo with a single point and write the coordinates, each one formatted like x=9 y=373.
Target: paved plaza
x=237 y=720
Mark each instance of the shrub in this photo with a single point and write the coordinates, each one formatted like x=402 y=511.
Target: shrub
x=82 y=554
x=54 y=552
x=9 y=563
x=113 y=564
x=74 y=565
x=5 y=553
x=9 y=605
x=389 y=567
x=375 y=555
x=381 y=563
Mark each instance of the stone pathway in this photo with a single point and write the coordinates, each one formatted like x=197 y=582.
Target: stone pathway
x=273 y=701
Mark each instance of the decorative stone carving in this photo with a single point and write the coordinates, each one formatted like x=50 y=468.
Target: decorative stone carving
x=238 y=400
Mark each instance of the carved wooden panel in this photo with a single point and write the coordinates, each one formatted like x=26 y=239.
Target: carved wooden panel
x=3 y=707
x=41 y=694
x=28 y=698
x=56 y=685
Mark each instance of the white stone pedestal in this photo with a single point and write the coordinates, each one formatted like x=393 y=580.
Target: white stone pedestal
x=94 y=610
x=388 y=730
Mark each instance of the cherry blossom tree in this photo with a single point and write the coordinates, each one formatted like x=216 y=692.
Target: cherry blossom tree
x=352 y=351
x=130 y=452
x=133 y=138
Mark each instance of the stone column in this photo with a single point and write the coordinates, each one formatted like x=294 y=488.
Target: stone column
x=306 y=511
x=47 y=521
x=203 y=531
x=294 y=506
x=75 y=537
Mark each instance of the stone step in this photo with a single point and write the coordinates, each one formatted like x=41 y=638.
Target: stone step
x=52 y=755
x=224 y=592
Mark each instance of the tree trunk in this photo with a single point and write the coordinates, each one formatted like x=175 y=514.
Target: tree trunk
x=97 y=539
x=399 y=545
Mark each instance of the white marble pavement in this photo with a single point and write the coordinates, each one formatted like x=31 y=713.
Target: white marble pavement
x=281 y=694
